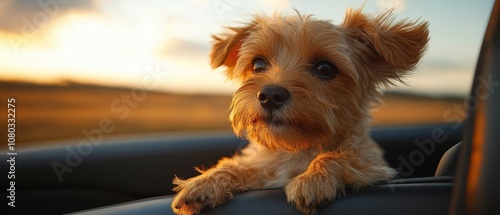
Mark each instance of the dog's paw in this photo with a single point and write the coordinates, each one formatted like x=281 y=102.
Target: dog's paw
x=196 y=193
x=308 y=191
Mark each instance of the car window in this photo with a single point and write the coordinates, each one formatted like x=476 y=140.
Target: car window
x=81 y=68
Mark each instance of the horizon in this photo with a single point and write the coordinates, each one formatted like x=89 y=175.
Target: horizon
x=123 y=43
x=70 y=84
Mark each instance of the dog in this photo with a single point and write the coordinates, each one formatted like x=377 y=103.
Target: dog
x=307 y=87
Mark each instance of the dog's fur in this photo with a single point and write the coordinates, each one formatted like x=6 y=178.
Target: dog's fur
x=317 y=143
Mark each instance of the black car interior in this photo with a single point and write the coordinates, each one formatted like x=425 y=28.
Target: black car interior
x=443 y=168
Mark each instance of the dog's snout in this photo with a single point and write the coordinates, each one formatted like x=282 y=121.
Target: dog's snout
x=272 y=97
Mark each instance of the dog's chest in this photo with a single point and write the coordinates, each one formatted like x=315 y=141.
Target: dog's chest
x=276 y=168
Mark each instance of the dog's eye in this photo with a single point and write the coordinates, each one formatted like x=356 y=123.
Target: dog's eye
x=259 y=65
x=325 y=70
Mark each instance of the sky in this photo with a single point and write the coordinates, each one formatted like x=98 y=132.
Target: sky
x=164 y=44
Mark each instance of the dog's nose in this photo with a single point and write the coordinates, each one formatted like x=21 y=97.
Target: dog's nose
x=272 y=97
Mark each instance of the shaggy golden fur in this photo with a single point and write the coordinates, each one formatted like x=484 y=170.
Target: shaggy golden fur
x=316 y=143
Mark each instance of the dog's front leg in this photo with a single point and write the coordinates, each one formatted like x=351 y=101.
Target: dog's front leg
x=329 y=173
x=213 y=187
x=320 y=183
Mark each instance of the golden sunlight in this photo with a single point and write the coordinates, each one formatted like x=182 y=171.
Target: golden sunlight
x=83 y=43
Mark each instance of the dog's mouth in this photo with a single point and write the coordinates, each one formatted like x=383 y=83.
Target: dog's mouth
x=277 y=124
x=269 y=120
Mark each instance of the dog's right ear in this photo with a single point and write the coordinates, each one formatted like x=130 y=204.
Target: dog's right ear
x=225 y=49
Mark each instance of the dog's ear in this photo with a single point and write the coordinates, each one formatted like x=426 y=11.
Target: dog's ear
x=225 y=49
x=394 y=47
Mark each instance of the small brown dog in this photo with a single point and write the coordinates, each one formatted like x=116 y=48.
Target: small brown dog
x=307 y=89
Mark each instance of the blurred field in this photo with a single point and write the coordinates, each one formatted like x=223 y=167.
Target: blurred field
x=64 y=111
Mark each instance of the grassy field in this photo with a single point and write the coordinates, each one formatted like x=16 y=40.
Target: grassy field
x=64 y=111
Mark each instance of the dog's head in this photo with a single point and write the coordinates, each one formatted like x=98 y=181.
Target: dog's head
x=308 y=83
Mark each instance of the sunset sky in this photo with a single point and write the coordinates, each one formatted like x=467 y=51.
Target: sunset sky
x=120 y=42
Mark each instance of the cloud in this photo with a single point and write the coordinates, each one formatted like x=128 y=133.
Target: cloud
x=276 y=4
x=23 y=16
x=176 y=48
x=397 y=5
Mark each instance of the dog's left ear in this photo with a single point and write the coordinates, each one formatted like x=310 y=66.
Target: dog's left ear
x=394 y=47
x=225 y=49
